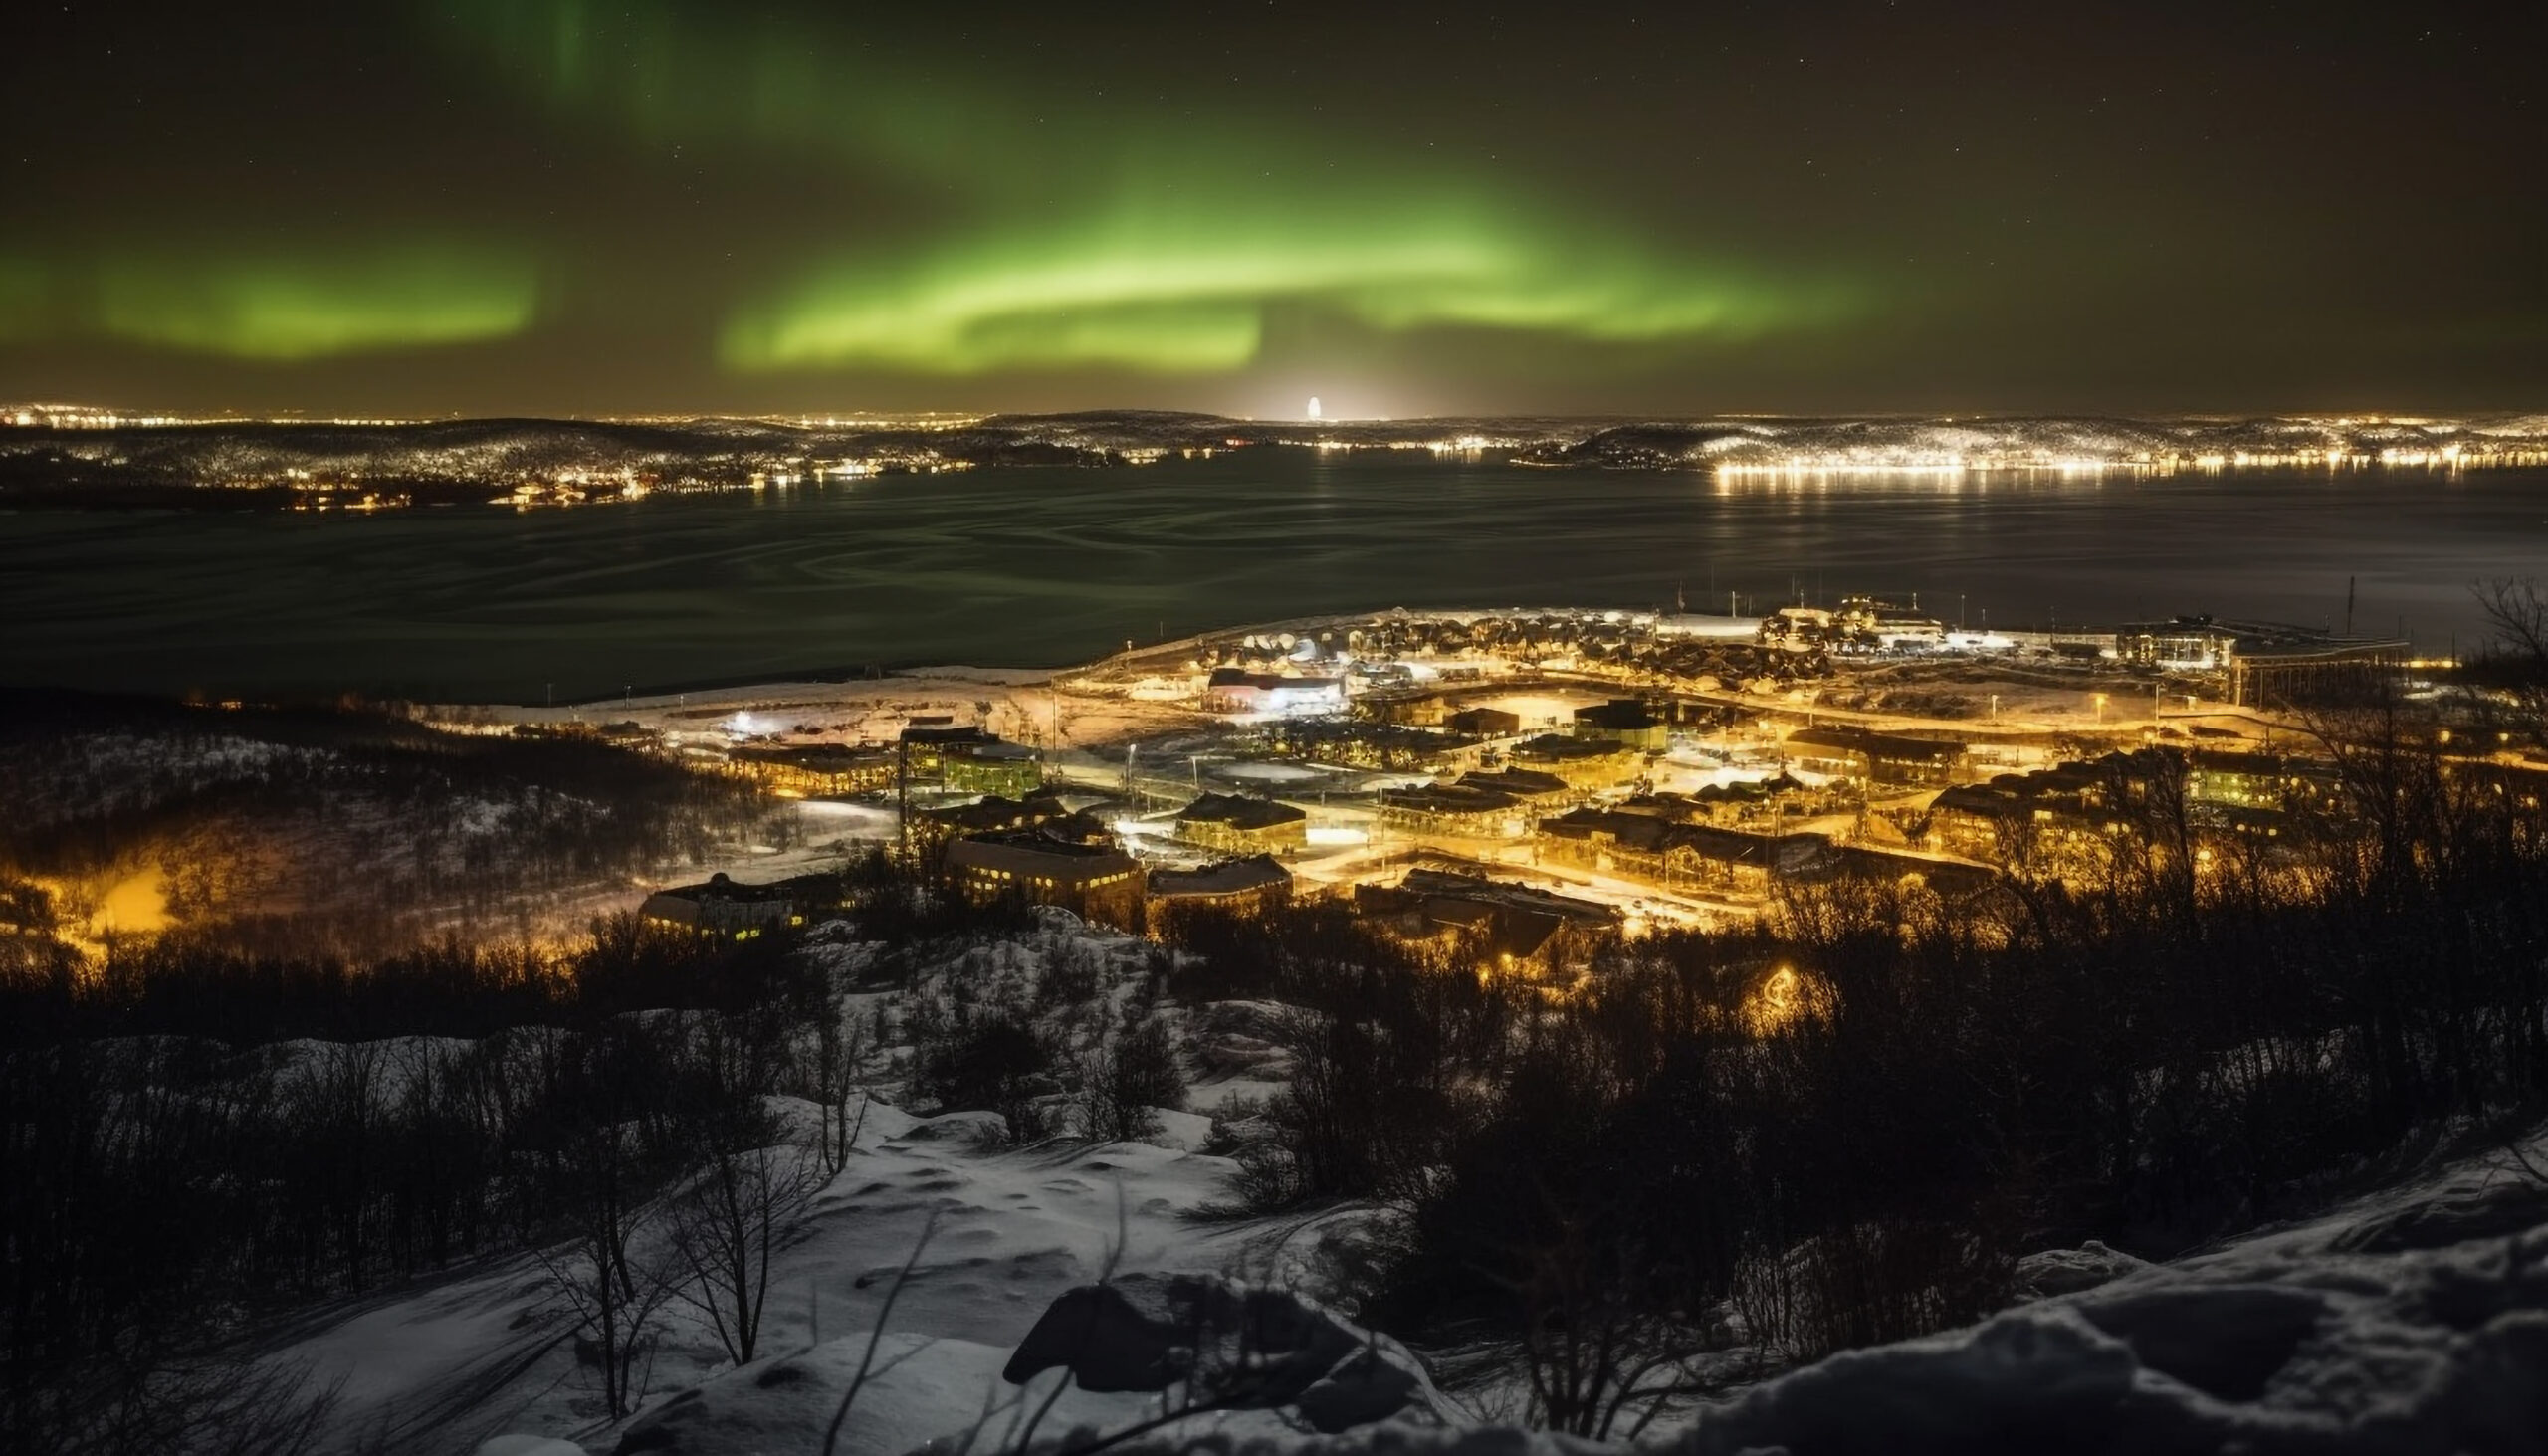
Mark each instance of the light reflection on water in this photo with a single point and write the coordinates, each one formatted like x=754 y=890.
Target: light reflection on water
x=1047 y=566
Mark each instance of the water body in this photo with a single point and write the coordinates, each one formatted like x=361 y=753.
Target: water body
x=1042 y=567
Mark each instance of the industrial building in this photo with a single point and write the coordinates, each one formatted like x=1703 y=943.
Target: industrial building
x=2265 y=663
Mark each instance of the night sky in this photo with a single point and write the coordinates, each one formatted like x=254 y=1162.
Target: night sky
x=524 y=206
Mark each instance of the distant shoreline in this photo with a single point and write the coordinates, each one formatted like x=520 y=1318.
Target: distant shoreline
x=57 y=458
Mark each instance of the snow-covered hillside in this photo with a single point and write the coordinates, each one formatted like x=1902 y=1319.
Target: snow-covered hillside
x=2411 y=1320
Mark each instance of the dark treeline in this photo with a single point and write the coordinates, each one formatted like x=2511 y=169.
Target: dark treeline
x=157 y=1189
x=194 y=1139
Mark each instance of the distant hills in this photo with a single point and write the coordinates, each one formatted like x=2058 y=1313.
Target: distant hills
x=249 y=463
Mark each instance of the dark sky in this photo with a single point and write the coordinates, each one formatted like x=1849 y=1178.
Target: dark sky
x=568 y=205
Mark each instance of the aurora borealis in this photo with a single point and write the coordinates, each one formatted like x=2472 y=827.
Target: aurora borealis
x=557 y=205
x=279 y=303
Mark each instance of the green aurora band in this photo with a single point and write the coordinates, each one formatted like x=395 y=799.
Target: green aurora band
x=1067 y=236
x=280 y=307
x=1189 y=298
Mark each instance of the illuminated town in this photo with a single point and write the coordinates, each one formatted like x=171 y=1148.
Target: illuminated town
x=1561 y=774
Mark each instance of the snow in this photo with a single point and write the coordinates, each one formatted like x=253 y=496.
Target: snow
x=2411 y=1322
x=1013 y=1229
x=2408 y=1322
x=1008 y=1229
x=917 y=1388
x=528 y=1446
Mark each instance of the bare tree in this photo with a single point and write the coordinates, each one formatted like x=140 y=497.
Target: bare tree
x=600 y=1274
x=840 y=1099
x=1592 y=1341
x=616 y=1304
x=724 y=1229
x=2517 y=610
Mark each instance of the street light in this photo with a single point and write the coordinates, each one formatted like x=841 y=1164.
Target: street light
x=2101 y=706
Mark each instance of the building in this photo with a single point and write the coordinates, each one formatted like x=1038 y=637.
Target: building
x=992 y=814
x=2266 y=662
x=1625 y=722
x=1607 y=841
x=924 y=744
x=1705 y=857
x=1893 y=758
x=1453 y=811
x=993 y=767
x=1239 y=825
x=1360 y=744
x=2181 y=644
x=1096 y=882
x=1243 y=887
x=2050 y=818
x=2306 y=667
x=1236 y=690
x=1587 y=765
x=967 y=759
x=1988 y=821
x=2270 y=781
x=1521 y=927
x=1867 y=862
x=728 y=907
x=2071 y=815
x=1484 y=723
x=1797 y=627
x=812 y=771
x=1413 y=707
x=1676 y=855
x=1529 y=787
x=1750 y=801
x=1887 y=627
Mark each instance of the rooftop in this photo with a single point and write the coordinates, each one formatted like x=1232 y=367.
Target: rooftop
x=1033 y=852
x=1876 y=744
x=1559 y=749
x=1240 y=811
x=1230 y=877
x=1519 y=782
